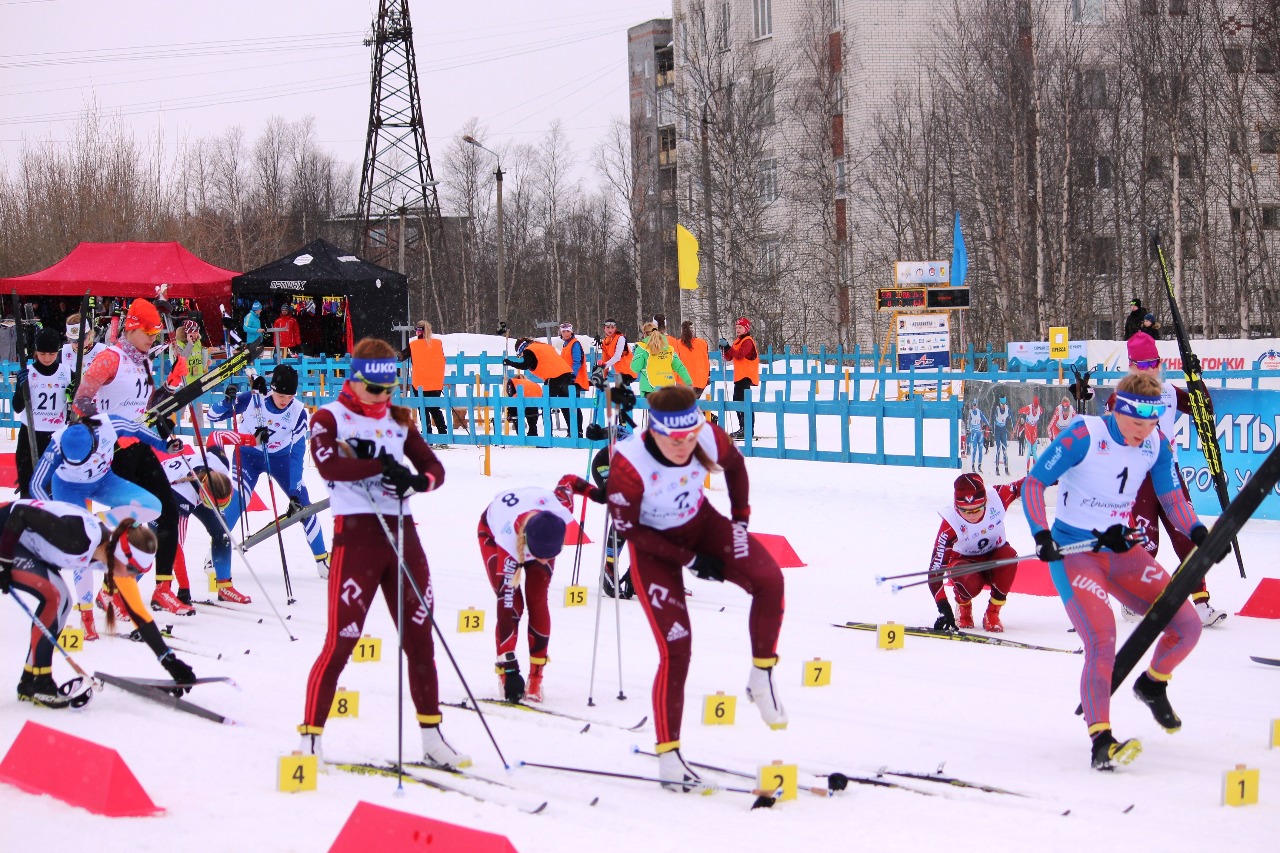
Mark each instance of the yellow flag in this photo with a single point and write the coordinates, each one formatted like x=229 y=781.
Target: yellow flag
x=687 y=258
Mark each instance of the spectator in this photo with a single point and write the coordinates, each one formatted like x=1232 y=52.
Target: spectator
x=693 y=352
x=291 y=338
x=656 y=361
x=746 y=370
x=1151 y=327
x=426 y=354
x=253 y=324
x=1133 y=322
x=532 y=390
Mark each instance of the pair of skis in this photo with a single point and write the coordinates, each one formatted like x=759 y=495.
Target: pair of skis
x=166 y=692
x=959 y=637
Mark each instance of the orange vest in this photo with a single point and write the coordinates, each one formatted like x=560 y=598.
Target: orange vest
x=744 y=368
x=531 y=388
x=567 y=354
x=607 y=347
x=550 y=364
x=428 y=364
x=696 y=360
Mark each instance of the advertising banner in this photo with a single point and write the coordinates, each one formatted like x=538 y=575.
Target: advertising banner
x=924 y=341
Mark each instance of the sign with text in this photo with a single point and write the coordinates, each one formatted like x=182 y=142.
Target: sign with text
x=907 y=273
x=1058 y=342
x=1029 y=352
x=924 y=341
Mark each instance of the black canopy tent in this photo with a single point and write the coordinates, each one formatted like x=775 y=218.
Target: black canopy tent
x=377 y=298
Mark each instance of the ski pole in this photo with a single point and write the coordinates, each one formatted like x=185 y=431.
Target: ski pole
x=48 y=635
x=617 y=606
x=275 y=512
x=764 y=798
x=610 y=424
x=399 y=645
x=435 y=626
x=1073 y=548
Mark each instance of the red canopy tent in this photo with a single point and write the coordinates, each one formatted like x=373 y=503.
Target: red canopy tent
x=129 y=270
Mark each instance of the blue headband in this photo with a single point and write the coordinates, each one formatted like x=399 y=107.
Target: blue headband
x=379 y=371
x=1136 y=406
x=666 y=423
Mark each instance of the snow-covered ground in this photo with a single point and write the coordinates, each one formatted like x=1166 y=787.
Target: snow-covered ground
x=994 y=715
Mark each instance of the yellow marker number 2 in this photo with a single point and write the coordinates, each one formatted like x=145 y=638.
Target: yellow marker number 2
x=778 y=775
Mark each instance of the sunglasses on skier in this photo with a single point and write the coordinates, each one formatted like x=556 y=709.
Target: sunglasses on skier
x=1146 y=363
x=377 y=389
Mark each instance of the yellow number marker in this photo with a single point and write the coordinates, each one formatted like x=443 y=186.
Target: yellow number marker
x=71 y=639
x=890 y=636
x=368 y=650
x=346 y=703
x=817 y=673
x=778 y=775
x=719 y=710
x=1275 y=733
x=297 y=773
x=575 y=596
x=470 y=620
x=213 y=583
x=1241 y=788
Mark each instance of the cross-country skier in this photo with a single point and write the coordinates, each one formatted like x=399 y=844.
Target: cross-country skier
x=37 y=540
x=71 y=349
x=656 y=499
x=1000 y=432
x=44 y=383
x=521 y=532
x=1144 y=358
x=975 y=423
x=202 y=488
x=1030 y=416
x=279 y=422
x=119 y=383
x=357 y=442
x=1099 y=464
x=972 y=531
x=1061 y=416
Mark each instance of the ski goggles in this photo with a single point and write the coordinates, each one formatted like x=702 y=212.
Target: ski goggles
x=975 y=505
x=1145 y=364
x=677 y=425
x=1142 y=408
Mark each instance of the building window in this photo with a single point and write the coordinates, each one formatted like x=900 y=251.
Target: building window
x=1102 y=255
x=1095 y=172
x=1264 y=60
x=1149 y=7
x=648 y=106
x=722 y=28
x=1088 y=11
x=1153 y=169
x=1190 y=245
x=763 y=80
x=768 y=180
x=1186 y=166
x=1234 y=58
x=770 y=259
x=1268 y=140
x=763 y=17
x=840 y=176
x=648 y=68
x=1177 y=7
x=1271 y=218
x=1091 y=88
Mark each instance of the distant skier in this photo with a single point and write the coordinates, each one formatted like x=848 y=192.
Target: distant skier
x=1000 y=431
x=975 y=423
x=1061 y=416
x=1099 y=464
x=972 y=531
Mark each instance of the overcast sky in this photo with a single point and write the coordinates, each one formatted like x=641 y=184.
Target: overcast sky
x=193 y=69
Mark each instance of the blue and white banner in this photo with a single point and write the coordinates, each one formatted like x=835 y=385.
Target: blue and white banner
x=924 y=341
x=1248 y=424
x=1030 y=352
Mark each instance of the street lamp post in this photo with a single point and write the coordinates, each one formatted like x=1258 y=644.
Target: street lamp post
x=497 y=174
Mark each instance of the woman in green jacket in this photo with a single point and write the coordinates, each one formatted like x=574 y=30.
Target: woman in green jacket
x=655 y=361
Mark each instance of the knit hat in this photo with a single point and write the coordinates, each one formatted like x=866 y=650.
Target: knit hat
x=970 y=491
x=192 y=328
x=743 y=321
x=77 y=443
x=257 y=306
x=566 y=327
x=1150 y=318
x=47 y=340
x=142 y=315
x=1136 y=301
x=544 y=534
x=1143 y=348
x=284 y=379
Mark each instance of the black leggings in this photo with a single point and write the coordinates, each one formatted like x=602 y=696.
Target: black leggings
x=436 y=414
x=22 y=458
x=745 y=419
x=138 y=464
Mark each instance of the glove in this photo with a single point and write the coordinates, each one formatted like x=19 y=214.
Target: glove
x=724 y=344
x=595 y=432
x=259 y=384
x=174 y=445
x=1046 y=548
x=947 y=617
x=599 y=377
x=571 y=484
x=706 y=567
x=295 y=506
x=399 y=479
x=262 y=435
x=179 y=373
x=1118 y=538
x=6 y=574
x=623 y=396
x=164 y=428
x=22 y=381
x=178 y=671
x=231 y=392
x=1192 y=363
x=509 y=363
x=1199 y=533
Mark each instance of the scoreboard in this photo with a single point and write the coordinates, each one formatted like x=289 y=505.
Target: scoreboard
x=921 y=298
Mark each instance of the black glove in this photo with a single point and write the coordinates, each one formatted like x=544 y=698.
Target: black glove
x=22 y=381
x=6 y=574
x=1118 y=538
x=178 y=671
x=599 y=377
x=363 y=448
x=623 y=396
x=1199 y=533
x=509 y=363
x=503 y=329
x=947 y=617
x=399 y=479
x=259 y=384
x=595 y=432
x=262 y=435
x=174 y=444
x=231 y=392
x=707 y=567
x=1046 y=548
x=295 y=506
x=512 y=681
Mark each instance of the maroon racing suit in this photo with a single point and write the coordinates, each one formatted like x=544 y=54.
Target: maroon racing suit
x=363 y=560
x=667 y=521
x=947 y=557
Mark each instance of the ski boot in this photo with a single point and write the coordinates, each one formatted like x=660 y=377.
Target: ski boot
x=113 y=602
x=86 y=622
x=184 y=595
x=437 y=752
x=311 y=745
x=164 y=599
x=761 y=691
x=510 y=679
x=1108 y=752
x=322 y=567
x=1153 y=692
x=1209 y=617
x=42 y=690
x=964 y=614
x=675 y=774
x=228 y=593
x=991 y=619
x=533 y=688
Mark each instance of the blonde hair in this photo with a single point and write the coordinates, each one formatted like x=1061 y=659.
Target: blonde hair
x=655 y=341
x=1141 y=384
x=426 y=329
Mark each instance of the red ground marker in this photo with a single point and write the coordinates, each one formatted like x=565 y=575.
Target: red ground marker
x=386 y=830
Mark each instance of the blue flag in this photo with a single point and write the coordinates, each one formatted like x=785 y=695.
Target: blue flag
x=959 y=256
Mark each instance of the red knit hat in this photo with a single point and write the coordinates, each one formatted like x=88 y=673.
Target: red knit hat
x=1143 y=348
x=743 y=321
x=971 y=492
x=143 y=315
